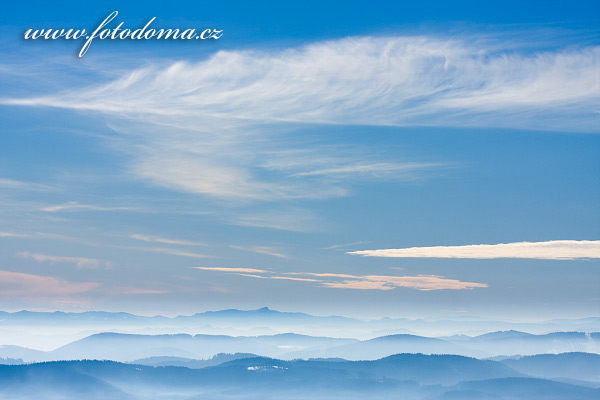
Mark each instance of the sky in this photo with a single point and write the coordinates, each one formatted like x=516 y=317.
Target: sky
x=430 y=159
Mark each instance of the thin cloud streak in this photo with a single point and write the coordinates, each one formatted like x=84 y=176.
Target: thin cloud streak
x=75 y=206
x=295 y=220
x=157 y=239
x=80 y=262
x=322 y=274
x=173 y=252
x=267 y=250
x=342 y=246
x=359 y=285
x=226 y=269
x=550 y=250
x=372 y=169
x=360 y=282
x=12 y=234
x=139 y=291
x=419 y=282
x=280 y=278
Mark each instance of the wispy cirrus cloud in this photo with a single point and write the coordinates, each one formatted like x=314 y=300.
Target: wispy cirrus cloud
x=76 y=206
x=550 y=250
x=396 y=80
x=13 y=234
x=322 y=274
x=80 y=262
x=419 y=282
x=21 y=185
x=50 y=236
x=217 y=127
x=157 y=239
x=342 y=246
x=359 y=282
x=267 y=250
x=173 y=252
x=285 y=278
x=376 y=169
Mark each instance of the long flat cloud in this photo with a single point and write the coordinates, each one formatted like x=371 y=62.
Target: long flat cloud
x=387 y=282
x=358 y=282
x=12 y=235
x=75 y=206
x=217 y=127
x=550 y=250
x=80 y=262
x=268 y=250
x=173 y=252
x=157 y=239
x=419 y=282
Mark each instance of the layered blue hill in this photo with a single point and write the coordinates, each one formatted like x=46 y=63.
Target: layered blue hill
x=411 y=376
x=577 y=366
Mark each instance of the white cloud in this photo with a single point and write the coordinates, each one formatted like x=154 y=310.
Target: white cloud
x=377 y=169
x=420 y=282
x=294 y=279
x=51 y=236
x=75 y=206
x=288 y=278
x=81 y=262
x=157 y=239
x=342 y=246
x=361 y=282
x=406 y=80
x=550 y=250
x=12 y=234
x=217 y=127
x=241 y=270
x=322 y=274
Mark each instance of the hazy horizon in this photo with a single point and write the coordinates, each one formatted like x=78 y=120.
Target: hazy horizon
x=419 y=180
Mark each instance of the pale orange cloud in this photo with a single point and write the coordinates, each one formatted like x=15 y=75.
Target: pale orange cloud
x=364 y=282
x=34 y=288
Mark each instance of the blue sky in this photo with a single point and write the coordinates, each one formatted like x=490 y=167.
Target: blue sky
x=276 y=165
